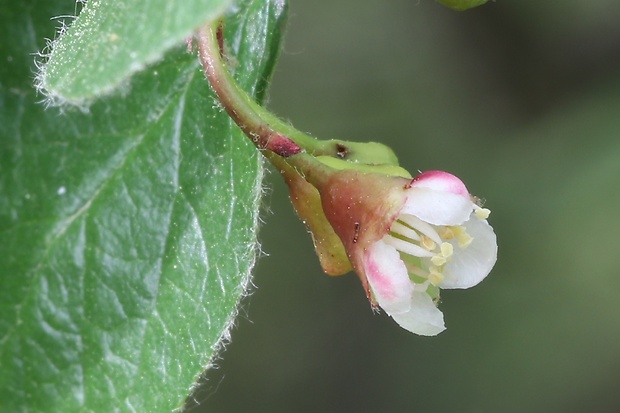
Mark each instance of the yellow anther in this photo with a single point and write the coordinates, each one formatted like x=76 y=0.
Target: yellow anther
x=427 y=243
x=483 y=213
x=438 y=260
x=435 y=278
x=464 y=239
x=458 y=230
x=446 y=233
x=446 y=249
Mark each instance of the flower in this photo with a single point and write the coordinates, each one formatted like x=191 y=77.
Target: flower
x=407 y=239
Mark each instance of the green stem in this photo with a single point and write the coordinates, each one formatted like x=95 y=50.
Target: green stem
x=263 y=128
x=275 y=137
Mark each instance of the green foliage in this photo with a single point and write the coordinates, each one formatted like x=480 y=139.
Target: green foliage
x=111 y=40
x=127 y=233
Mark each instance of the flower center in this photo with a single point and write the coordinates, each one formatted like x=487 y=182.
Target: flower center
x=426 y=249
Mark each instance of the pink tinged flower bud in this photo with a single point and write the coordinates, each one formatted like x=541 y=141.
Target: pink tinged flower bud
x=406 y=239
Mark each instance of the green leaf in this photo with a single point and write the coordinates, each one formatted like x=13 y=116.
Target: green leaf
x=112 y=39
x=127 y=233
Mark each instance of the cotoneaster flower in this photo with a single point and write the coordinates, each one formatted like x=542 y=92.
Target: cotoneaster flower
x=408 y=238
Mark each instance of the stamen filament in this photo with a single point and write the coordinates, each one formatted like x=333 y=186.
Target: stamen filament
x=407 y=247
x=421 y=226
x=421 y=287
x=417 y=271
x=405 y=230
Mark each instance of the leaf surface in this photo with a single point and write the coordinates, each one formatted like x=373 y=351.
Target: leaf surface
x=127 y=233
x=112 y=39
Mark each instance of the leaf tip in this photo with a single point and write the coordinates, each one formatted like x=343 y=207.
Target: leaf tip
x=52 y=97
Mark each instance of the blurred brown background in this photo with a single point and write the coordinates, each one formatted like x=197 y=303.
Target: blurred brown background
x=521 y=99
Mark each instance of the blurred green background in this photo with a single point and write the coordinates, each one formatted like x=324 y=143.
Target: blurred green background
x=521 y=99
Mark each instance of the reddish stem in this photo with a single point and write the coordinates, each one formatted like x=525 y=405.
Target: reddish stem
x=235 y=101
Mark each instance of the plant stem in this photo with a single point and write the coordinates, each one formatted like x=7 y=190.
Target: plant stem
x=262 y=127
x=282 y=144
x=249 y=116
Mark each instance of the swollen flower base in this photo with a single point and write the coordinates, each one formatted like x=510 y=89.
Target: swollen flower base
x=406 y=238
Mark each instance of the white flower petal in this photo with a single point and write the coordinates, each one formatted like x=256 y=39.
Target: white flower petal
x=388 y=277
x=468 y=266
x=440 y=181
x=424 y=318
x=437 y=207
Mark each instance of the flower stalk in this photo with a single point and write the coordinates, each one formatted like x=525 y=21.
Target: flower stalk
x=251 y=118
x=267 y=131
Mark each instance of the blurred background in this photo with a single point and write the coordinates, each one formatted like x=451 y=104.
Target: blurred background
x=521 y=100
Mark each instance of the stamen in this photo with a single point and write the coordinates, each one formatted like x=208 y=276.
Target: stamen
x=427 y=243
x=438 y=260
x=417 y=271
x=463 y=238
x=404 y=230
x=422 y=287
x=435 y=278
x=483 y=213
x=446 y=252
x=447 y=249
x=421 y=226
x=407 y=247
x=446 y=233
